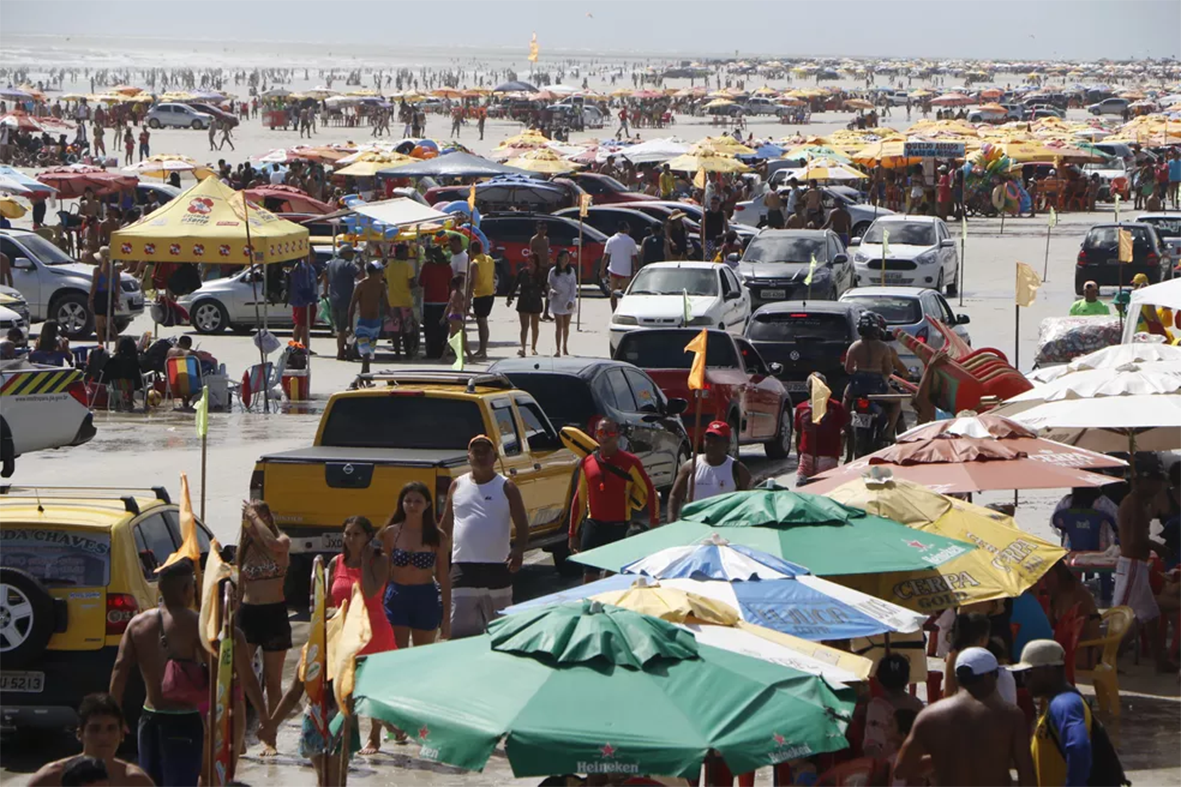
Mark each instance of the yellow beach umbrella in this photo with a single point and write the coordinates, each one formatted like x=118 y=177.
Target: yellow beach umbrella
x=828 y=169
x=858 y=103
x=369 y=163
x=888 y=153
x=207 y=224
x=1007 y=562
x=526 y=140
x=544 y=160
x=163 y=164
x=11 y=208
x=718 y=102
x=724 y=145
x=707 y=161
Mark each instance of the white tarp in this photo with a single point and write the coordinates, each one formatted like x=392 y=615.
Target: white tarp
x=400 y=212
x=1167 y=294
x=654 y=150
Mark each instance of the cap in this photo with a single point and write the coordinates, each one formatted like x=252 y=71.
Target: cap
x=719 y=428
x=1040 y=653
x=346 y=247
x=1140 y=278
x=480 y=438
x=375 y=267
x=676 y=214
x=974 y=662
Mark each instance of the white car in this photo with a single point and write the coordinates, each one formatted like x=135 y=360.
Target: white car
x=657 y=295
x=11 y=318
x=40 y=407
x=908 y=308
x=922 y=254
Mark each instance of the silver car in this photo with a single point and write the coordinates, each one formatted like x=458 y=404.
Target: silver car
x=908 y=308
x=177 y=116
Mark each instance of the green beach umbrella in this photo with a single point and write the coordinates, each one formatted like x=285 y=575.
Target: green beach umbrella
x=588 y=688
x=828 y=538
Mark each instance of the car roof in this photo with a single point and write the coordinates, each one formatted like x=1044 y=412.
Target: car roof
x=18 y=507
x=898 y=292
x=791 y=233
x=901 y=217
x=1121 y=225
x=827 y=307
x=693 y=264
x=567 y=366
x=1144 y=216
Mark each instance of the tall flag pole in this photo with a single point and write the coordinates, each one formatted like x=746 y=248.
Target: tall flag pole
x=697 y=385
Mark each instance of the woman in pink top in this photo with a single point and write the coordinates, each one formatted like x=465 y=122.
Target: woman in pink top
x=361 y=562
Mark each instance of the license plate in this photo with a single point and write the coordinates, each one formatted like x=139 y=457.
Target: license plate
x=774 y=294
x=22 y=682
x=136 y=300
x=894 y=277
x=796 y=386
x=862 y=419
x=332 y=542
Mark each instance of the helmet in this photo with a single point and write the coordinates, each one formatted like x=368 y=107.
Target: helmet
x=869 y=325
x=884 y=331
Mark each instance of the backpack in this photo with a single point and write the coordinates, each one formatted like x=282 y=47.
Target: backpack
x=1106 y=768
x=154 y=357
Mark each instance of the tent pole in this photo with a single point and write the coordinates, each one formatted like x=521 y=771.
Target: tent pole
x=262 y=356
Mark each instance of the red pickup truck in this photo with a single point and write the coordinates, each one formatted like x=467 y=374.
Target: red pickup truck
x=740 y=388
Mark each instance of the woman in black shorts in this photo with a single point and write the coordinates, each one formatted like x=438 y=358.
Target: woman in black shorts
x=263 y=556
x=529 y=287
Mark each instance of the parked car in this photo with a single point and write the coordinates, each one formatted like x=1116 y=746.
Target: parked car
x=217 y=112
x=1168 y=229
x=908 y=308
x=43 y=407
x=661 y=292
x=1039 y=112
x=759 y=105
x=163 y=192
x=1109 y=106
x=231 y=302
x=77 y=566
x=509 y=235
x=1098 y=258
x=1113 y=178
x=604 y=189
x=10 y=318
x=805 y=337
x=591 y=116
x=11 y=299
x=582 y=391
x=512 y=194
x=776 y=264
x=922 y=254
x=177 y=116
x=57 y=287
x=742 y=388
x=752 y=212
x=693 y=214
x=606 y=219
x=1004 y=115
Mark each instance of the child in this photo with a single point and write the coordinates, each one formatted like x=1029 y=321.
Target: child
x=455 y=310
x=311 y=744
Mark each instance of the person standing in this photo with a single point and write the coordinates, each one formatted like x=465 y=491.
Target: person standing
x=1132 y=586
x=481 y=119
x=100 y=730
x=481 y=292
x=226 y=128
x=774 y=205
x=435 y=279
x=714 y=472
x=106 y=273
x=213 y=134
x=943 y=193
x=264 y=553
x=100 y=145
x=606 y=478
x=419 y=559
x=145 y=137
x=369 y=308
x=340 y=278
x=676 y=242
x=1061 y=745
x=652 y=247
x=401 y=279
x=713 y=226
x=529 y=287
x=667 y=183
x=563 y=294
x=973 y=738
x=1089 y=304
x=893 y=676
x=620 y=260
x=486 y=521
x=302 y=297
x=459 y=257
x=539 y=249
x=818 y=445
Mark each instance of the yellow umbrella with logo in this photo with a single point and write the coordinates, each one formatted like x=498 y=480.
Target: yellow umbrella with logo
x=706 y=161
x=11 y=208
x=1006 y=563
x=544 y=160
x=369 y=163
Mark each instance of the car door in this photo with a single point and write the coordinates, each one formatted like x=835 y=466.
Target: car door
x=153 y=542
x=735 y=300
x=946 y=253
x=548 y=475
x=949 y=318
x=633 y=436
x=24 y=275
x=661 y=458
x=763 y=398
x=841 y=276
x=515 y=461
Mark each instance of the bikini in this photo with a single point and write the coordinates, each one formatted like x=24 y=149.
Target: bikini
x=265 y=625
x=417 y=606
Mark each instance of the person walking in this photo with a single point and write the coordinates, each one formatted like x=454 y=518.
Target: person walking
x=145 y=148
x=540 y=251
x=401 y=281
x=435 y=280
x=213 y=135
x=563 y=294
x=339 y=279
x=602 y=496
x=818 y=445
x=1061 y=746
x=481 y=289
x=529 y=288
x=621 y=259
x=419 y=568
x=486 y=521
x=226 y=138
x=303 y=300
x=369 y=306
x=713 y=226
x=714 y=471
x=264 y=553
x=106 y=273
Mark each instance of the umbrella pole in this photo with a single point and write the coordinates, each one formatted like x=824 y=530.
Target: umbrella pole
x=1016 y=336
x=1046 y=263
x=578 y=278
x=262 y=356
x=345 y=733
x=959 y=280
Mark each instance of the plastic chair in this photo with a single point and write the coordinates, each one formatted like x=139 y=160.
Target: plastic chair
x=1105 y=676
x=861 y=772
x=1066 y=633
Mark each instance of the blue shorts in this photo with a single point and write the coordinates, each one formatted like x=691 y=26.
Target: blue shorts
x=414 y=606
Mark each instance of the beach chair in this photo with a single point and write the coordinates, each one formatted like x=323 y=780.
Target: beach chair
x=1105 y=677
x=182 y=377
x=1066 y=633
x=261 y=377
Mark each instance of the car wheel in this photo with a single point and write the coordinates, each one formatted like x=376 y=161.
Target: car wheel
x=954 y=287
x=780 y=446
x=209 y=316
x=72 y=312
x=153 y=123
x=939 y=282
x=26 y=618
x=859 y=230
x=197 y=124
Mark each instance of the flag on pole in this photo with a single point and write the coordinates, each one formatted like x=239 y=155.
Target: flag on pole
x=697 y=370
x=819 y=395
x=686 y=309
x=189 y=546
x=209 y=619
x=533 y=49
x=313 y=662
x=1053 y=217
x=471 y=197
x=354 y=636
x=223 y=738
x=1116 y=201
x=1125 y=245
x=456 y=345
x=885 y=244
x=964 y=228
x=584 y=204
x=811 y=270
x=202 y=417
x=1027 y=285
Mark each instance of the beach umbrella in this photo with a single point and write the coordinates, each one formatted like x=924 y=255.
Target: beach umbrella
x=889 y=153
x=320 y=92
x=10 y=186
x=951 y=100
x=161 y=165
x=1008 y=562
x=297 y=200
x=542 y=160
x=73 y=180
x=588 y=688
x=13 y=94
x=1146 y=356
x=858 y=103
x=828 y=169
x=11 y=208
x=527 y=140
x=724 y=145
x=368 y=163
x=207 y=224
x=810 y=152
x=18 y=180
x=810 y=530
x=707 y=161
x=514 y=87
x=275 y=92
x=654 y=151
x=452 y=165
x=22 y=121
x=1149 y=422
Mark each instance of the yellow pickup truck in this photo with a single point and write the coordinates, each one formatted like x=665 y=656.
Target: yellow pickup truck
x=412 y=426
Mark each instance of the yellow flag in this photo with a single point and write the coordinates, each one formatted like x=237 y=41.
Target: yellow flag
x=533 y=49
x=584 y=204
x=189 y=546
x=354 y=636
x=456 y=345
x=699 y=179
x=203 y=413
x=1053 y=220
x=819 y=396
x=811 y=270
x=1027 y=285
x=209 y=619
x=697 y=371
x=471 y=197
x=1125 y=245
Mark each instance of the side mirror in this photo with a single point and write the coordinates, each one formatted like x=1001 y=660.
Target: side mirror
x=616 y=293
x=676 y=406
x=962 y=319
x=23 y=264
x=776 y=368
x=947 y=243
x=855 y=241
x=839 y=259
x=732 y=295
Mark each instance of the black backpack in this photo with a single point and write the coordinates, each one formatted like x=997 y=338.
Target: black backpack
x=154 y=357
x=1106 y=768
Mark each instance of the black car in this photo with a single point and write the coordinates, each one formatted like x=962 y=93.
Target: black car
x=581 y=391
x=776 y=264
x=1098 y=259
x=805 y=337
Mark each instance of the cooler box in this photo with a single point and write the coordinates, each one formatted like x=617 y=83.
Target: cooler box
x=296 y=384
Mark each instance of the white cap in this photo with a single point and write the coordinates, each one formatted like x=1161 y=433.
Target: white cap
x=975 y=662
x=1040 y=653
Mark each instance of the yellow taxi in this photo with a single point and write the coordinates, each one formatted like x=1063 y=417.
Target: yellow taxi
x=76 y=564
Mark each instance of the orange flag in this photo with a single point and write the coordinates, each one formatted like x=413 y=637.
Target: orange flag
x=189 y=546
x=471 y=197
x=216 y=570
x=697 y=370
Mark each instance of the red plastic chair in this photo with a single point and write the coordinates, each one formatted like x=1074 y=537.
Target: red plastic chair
x=862 y=772
x=1067 y=633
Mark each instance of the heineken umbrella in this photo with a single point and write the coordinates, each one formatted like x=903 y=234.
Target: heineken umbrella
x=1008 y=562
x=588 y=688
x=828 y=537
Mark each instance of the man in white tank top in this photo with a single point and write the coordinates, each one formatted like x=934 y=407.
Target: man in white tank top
x=714 y=472
x=480 y=507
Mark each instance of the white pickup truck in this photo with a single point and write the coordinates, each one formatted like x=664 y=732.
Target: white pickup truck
x=40 y=407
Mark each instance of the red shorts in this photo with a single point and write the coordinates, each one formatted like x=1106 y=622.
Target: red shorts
x=303 y=316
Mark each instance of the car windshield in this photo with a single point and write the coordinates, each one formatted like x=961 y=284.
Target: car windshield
x=672 y=281
x=799 y=327
x=1108 y=237
x=666 y=350
x=895 y=310
x=1107 y=165
x=564 y=398
x=45 y=251
x=71 y=557
x=901 y=232
x=1166 y=227
x=784 y=249
x=402 y=422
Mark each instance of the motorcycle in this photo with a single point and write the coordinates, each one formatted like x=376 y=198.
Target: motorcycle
x=867 y=426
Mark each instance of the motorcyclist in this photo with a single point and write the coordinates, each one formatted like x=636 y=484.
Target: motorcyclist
x=869 y=363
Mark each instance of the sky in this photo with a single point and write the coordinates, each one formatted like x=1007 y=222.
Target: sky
x=1001 y=29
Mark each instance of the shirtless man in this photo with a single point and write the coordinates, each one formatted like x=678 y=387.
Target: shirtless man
x=1132 y=587
x=814 y=205
x=973 y=738
x=539 y=248
x=100 y=730
x=370 y=305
